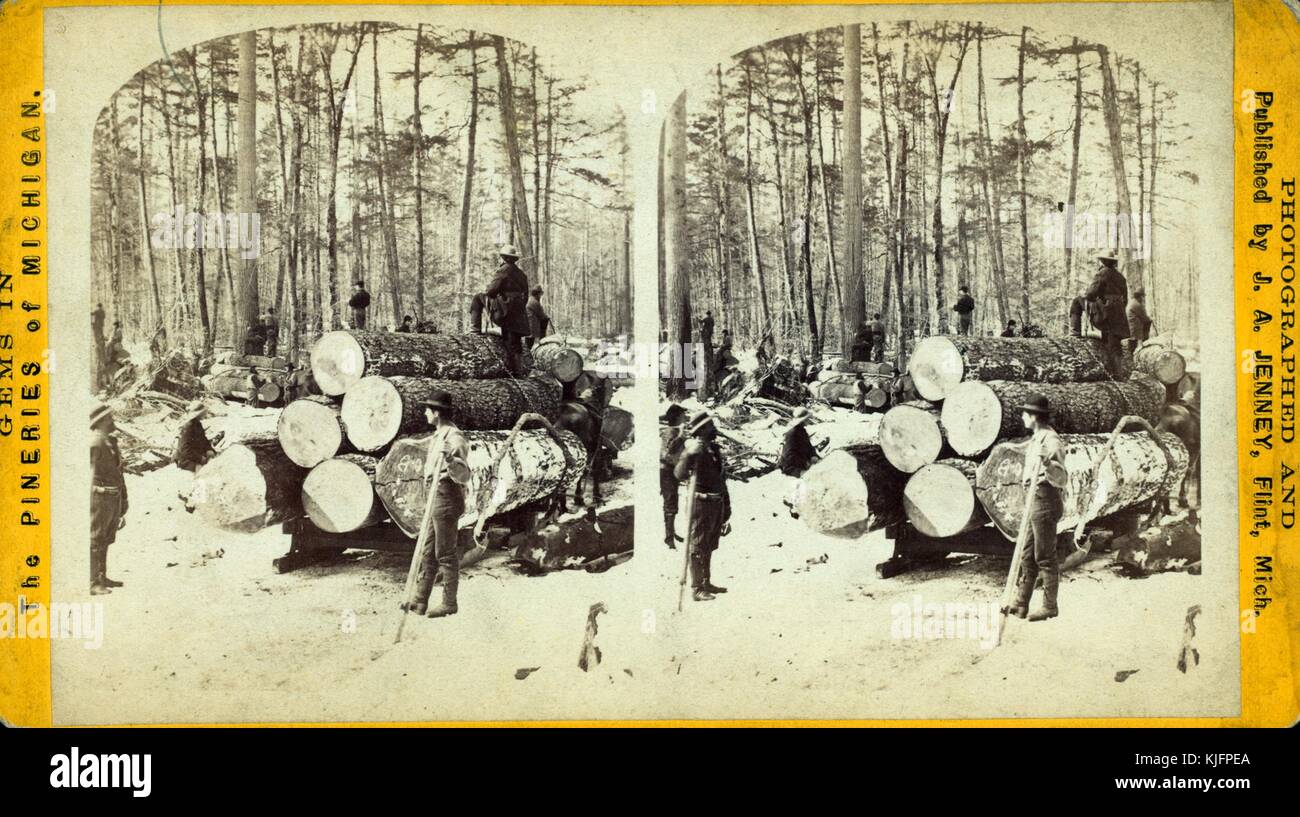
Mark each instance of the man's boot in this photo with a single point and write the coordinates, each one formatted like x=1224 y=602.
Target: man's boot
x=1051 y=581
x=709 y=586
x=97 y=587
x=103 y=571
x=670 y=537
x=423 y=587
x=1024 y=589
x=448 y=605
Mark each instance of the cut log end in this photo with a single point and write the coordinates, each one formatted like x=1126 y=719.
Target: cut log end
x=939 y=501
x=936 y=367
x=309 y=432
x=338 y=496
x=828 y=497
x=563 y=362
x=1162 y=363
x=337 y=362
x=910 y=437
x=372 y=413
x=972 y=418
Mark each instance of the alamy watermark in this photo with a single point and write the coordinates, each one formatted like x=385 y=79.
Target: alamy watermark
x=80 y=621
x=183 y=229
x=1086 y=230
x=922 y=621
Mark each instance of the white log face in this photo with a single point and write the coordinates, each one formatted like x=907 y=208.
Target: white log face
x=940 y=501
x=372 y=413
x=910 y=437
x=339 y=496
x=310 y=432
x=972 y=418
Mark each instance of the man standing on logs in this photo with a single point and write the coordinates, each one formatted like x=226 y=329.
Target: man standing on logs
x=359 y=303
x=108 y=502
x=507 y=299
x=862 y=340
x=1106 y=298
x=1076 y=316
x=476 y=306
x=539 y=323
x=711 y=517
x=1045 y=468
x=271 y=332
x=965 y=309
x=876 y=327
x=446 y=473
x=671 y=440
x=1139 y=320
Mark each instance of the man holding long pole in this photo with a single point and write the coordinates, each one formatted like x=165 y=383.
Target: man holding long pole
x=711 y=509
x=1045 y=475
x=446 y=472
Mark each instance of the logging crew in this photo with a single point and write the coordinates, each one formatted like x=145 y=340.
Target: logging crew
x=797 y=451
x=1106 y=298
x=1139 y=320
x=507 y=299
x=359 y=303
x=1044 y=474
x=446 y=473
x=877 y=327
x=671 y=439
x=711 y=517
x=539 y=323
x=1076 y=316
x=193 y=448
x=1010 y=330
x=108 y=502
x=965 y=309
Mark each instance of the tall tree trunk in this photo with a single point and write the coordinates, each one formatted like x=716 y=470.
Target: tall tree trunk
x=1074 y=172
x=226 y=280
x=509 y=122
x=335 y=98
x=1114 y=130
x=467 y=191
x=854 y=308
x=1139 y=270
x=992 y=211
x=942 y=110
x=1022 y=159
x=677 y=248
x=247 y=311
x=783 y=219
x=723 y=194
x=795 y=60
x=147 y=249
x=751 y=208
x=200 y=285
x=418 y=122
x=387 y=217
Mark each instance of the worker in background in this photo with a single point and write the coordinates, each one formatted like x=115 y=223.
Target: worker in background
x=539 y=323
x=1139 y=320
x=507 y=300
x=476 y=306
x=797 y=451
x=408 y=324
x=1076 y=316
x=671 y=440
x=1105 y=299
x=862 y=341
x=158 y=344
x=877 y=327
x=108 y=501
x=193 y=448
x=1045 y=476
x=446 y=473
x=97 y=332
x=359 y=303
x=271 y=331
x=711 y=517
x=965 y=309
x=255 y=338
x=1009 y=331
x=115 y=354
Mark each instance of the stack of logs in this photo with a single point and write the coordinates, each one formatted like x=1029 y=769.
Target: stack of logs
x=952 y=461
x=842 y=381
x=354 y=455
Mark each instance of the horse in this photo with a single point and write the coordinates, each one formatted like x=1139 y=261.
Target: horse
x=583 y=413
x=1183 y=420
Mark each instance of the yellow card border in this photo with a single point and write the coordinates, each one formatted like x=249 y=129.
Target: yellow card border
x=1267 y=58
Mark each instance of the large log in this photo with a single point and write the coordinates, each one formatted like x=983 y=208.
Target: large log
x=233 y=384
x=1161 y=362
x=376 y=410
x=910 y=436
x=311 y=431
x=533 y=469
x=249 y=485
x=940 y=362
x=939 y=499
x=1135 y=470
x=976 y=415
x=339 y=359
x=338 y=495
x=849 y=493
x=564 y=362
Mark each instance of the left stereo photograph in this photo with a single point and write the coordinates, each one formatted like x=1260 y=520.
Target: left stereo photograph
x=356 y=392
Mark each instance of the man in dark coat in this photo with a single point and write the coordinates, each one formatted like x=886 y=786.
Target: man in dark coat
x=255 y=339
x=965 y=309
x=1106 y=298
x=507 y=299
x=193 y=448
x=711 y=517
x=797 y=451
x=539 y=323
x=1010 y=330
x=108 y=501
x=1076 y=316
x=1139 y=320
x=862 y=342
x=359 y=303
x=97 y=331
x=671 y=440
x=271 y=332
x=408 y=324
x=877 y=327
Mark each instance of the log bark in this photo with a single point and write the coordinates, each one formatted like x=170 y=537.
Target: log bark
x=939 y=499
x=1161 y=362
x=564 y=362
x=910 y=436
x=1135 y=470
x=248 y=486
x=1171 y=545
x=311 y=431
x=338 y=495
x=940 y=362
x=339 y=359
x=976 y=415
x=534 y=468
x=376 y=410
x=849 y=493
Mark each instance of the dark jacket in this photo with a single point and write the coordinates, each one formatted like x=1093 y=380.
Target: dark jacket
x=1106 y=297
x=508 y=298
x=964 y=306
x=797 y=452
x=1139 y=321
x=708 y=468
x=539 y=322
x=192 y=446
x=1076 y=317
x=108 y=502
x=360 y=299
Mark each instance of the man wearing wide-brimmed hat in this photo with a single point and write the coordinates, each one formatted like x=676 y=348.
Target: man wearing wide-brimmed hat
x=193 y=448
x=672 y=438
x=507 y=298
x=797 y=451
x=1044 y=474
x=710 y=519
x=108 y=502
x=446 y=473
x=1106 y=299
